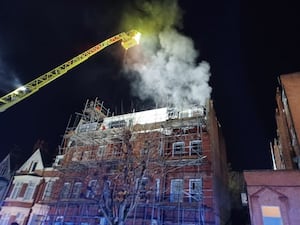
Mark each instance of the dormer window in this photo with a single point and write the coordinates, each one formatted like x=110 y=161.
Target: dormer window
x=33 y=167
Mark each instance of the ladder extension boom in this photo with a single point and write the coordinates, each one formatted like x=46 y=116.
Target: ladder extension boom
x=129 y=39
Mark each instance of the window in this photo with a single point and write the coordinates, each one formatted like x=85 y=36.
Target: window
x=91 y=189
x=117 y=149
x=29 y=191
x=101 y=150
x=195 y=147
x=4 y=219
x=178 y=148
x=48 y=190
x=87 y=155
x=16 y=190
x=77 y=155
x=271 y=215
x=195 y=186
x=37 y=219
x=76 y=190
x=33 y=167
x=157 y=188
x=143 y=184
x=117 y=124
x=65 y=190
x=176 y=194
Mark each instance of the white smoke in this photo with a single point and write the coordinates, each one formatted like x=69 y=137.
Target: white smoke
x=8 y=78
x=169 y=73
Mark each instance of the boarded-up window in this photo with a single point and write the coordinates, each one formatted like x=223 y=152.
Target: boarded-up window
x=176 y=194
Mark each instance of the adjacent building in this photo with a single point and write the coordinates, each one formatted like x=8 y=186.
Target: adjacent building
x=273 y=194
x=5 y=177
x=27 y=185
x=272 y=197
x=286 y=150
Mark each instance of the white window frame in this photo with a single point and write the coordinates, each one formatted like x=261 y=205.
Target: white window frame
x=33 y=166
x=92 y=185
x=29 y=191
x=77 y=187
x=157 y=188
x=194 y=196
x=16 y=190
x=4 y=219
x=178 y=145
x=176 y=195
x=101 y=150
x=199 y=145
x=48 y=189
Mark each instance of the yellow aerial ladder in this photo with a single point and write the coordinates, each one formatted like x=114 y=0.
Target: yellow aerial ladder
x=129 y=39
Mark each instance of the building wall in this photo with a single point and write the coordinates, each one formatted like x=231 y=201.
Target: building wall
x=287 y=148
x=21 y=203
x=219 y=168
x=277 y=191
x=80 y=162
x=185 y=176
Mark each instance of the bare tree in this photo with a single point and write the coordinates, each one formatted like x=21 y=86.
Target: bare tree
x=124 y=183
x=130 y=179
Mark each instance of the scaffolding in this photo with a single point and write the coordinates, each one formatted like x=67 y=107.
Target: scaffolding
x=163 y=168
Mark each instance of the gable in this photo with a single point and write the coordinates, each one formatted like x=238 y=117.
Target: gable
x=267 y=191
x=35 y=162
x=5 y=168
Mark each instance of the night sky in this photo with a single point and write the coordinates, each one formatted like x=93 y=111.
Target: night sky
x=248 y=45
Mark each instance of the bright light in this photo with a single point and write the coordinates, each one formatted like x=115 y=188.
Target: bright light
x=137 y=37
x=21 y=89
x=131 y=39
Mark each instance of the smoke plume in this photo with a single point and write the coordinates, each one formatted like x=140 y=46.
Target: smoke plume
x=8 y=78
x=164 y=67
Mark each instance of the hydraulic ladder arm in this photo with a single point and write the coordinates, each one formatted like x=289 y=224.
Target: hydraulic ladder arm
x=129 y=39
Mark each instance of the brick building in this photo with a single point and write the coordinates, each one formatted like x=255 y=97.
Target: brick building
x=26 y=189
x=287 y=149
x=272 y=195
x=160 y=166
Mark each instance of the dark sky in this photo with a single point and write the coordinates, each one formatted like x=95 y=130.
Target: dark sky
x=248 y=45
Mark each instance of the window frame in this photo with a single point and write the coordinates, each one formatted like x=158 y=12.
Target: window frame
x=16 y=190
x=270 y=214
x=48 y=189
x=30 y=189
x=199 y=149
x=91 y=189
x=76 y=190
x=192 y=195
x=175 y=145
x=65 y=191
x=178 y=196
